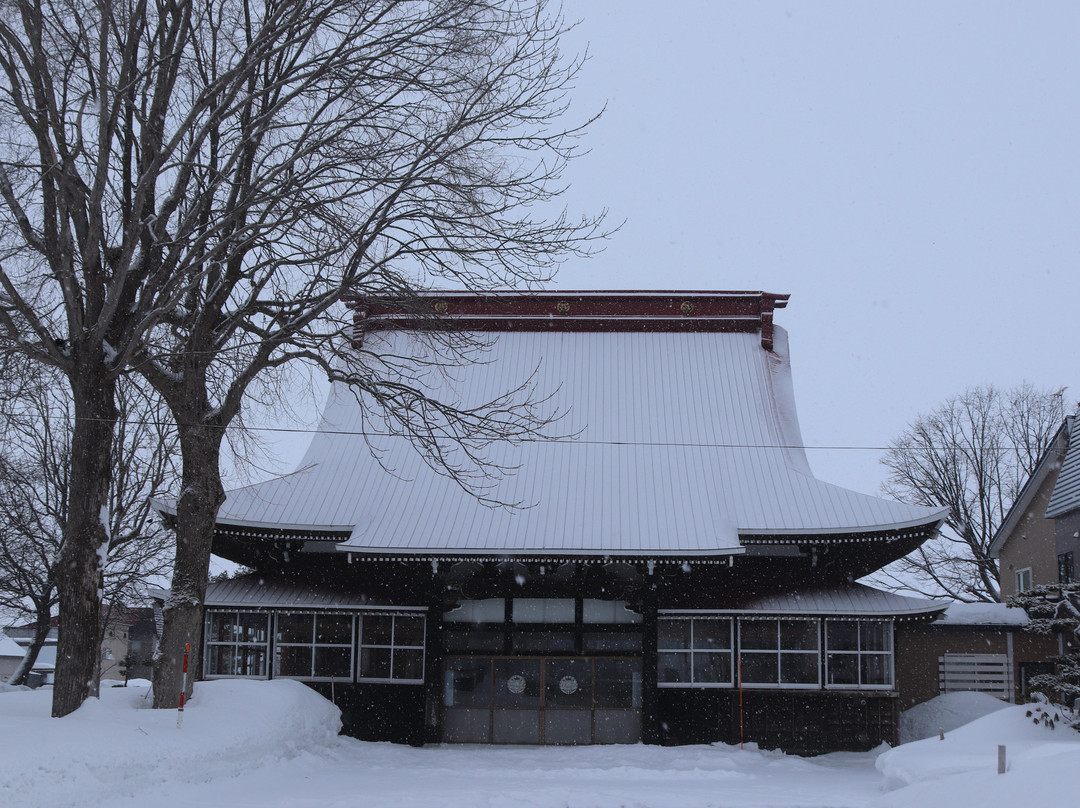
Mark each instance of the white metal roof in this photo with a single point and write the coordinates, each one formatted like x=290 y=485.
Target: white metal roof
x=1066 y=495
x=682 y=441
x=845 y=599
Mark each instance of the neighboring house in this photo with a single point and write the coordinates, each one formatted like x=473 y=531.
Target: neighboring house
x=982 y=647
x=11 y=654
x=675 y=572
x=1039 y=540
x=128 y=642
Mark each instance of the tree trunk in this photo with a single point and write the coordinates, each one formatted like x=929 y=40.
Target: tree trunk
x=41 y=633
x=79 y=571
x=196 y=512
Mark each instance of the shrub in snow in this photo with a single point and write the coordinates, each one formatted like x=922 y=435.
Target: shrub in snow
x=1056 y=610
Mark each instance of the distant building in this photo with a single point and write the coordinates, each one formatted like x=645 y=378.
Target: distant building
x=1039 y=540
x=676 y=573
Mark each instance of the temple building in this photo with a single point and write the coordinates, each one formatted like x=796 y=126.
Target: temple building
x=663 y=568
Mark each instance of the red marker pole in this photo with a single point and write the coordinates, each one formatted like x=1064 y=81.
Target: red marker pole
x=183 y=688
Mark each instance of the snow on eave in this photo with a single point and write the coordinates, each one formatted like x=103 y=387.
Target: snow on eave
x=982 y=614
x=935 y=518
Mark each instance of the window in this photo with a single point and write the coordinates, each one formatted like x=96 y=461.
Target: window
x=237 y=643
x=313 y=646
x=1023 y=580
x=694 y=651
x=858 y=653
x=779 y=652
x=1065 y=568
x=392 y=648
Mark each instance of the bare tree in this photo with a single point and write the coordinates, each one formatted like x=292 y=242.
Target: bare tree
x=972 y=455
x=188 y=180
x=35 y=473
x=348 y=151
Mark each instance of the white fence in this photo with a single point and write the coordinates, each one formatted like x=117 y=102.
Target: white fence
x=985 y=673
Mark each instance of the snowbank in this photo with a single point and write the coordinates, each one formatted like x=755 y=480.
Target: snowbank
x=962 y=769
x=117 y=746
x=946 y=712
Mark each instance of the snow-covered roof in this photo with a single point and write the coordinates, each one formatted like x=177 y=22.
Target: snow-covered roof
x=1066 y=494
x=10 y=648
x=983 y=614
x=845 y=599
x=680 y=443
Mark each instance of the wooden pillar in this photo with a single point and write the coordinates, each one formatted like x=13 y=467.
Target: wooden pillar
x=650 y=703
x=433 y=659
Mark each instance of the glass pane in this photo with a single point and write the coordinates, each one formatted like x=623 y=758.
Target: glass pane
x=876 y=669
x=759 y=669
x=515 y=726
x=491 y=610
x=335 y=662
x=222 y=627
x=799 y=669
x=672 y=634
x=251 y=660
x=567 y=727
x=842 y=635
x=712 y=634
x=222 y=660
x=843 y=669
x=568 y=683
x=293 y=660
x=253 y=627
x=409 y=631
x=376 y=629
x=375 y=663
x=614 y=683
x=467 y=683
x=876 y=635
x=543 y=610
x=799 y=635
x=295 y=628
x=408 y=663
x=467 y=726
x=607 y=611
x=673 y=668
x=517 y=683
x=712 y=668
x=333 y=629
x=757 y=634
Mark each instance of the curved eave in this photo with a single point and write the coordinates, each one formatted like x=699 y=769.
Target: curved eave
x=773 y=536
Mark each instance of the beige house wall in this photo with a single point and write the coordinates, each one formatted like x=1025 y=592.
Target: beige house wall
x=1031 y=544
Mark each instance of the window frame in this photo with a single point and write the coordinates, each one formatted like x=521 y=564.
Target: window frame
x=360 y=645
x=691 y=651
x=314 y=644
x=780 y=652
x=1021 y=574
x=236 y=643
x=1066 y=568
x=859 y=653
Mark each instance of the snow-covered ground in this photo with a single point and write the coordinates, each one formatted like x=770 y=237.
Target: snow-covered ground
x=272 y=744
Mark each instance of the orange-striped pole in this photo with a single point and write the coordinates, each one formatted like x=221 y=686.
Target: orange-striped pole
x=183 y=688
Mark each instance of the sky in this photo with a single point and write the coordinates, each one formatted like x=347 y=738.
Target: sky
x=907 y=172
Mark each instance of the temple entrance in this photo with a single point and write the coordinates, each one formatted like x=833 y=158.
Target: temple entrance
x=542 y=700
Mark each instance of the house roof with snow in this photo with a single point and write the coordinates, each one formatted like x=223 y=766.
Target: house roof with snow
x=682 y=438
x=1066 y=495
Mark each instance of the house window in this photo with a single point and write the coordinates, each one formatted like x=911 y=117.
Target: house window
x=1023 y=579
x=858 y=653
x=391 y=648
x=237 y=643
x=779 y=652
x=1065 y=568
x=694 y=651
x=313 y=646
